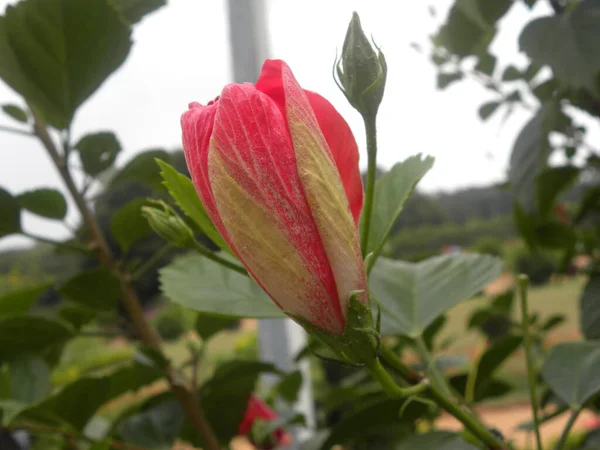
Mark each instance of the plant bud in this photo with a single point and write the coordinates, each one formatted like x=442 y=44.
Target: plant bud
x=169 y=225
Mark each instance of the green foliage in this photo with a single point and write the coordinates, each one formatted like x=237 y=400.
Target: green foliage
x=20 y=301
x=10 y=211
x=15 y=112
x=97 y=289
x=128 y=225
x=590 y=308
x=135 y=10
x=48 y=203
x=489 y=245
x=207 y=325
x=142 y=168
x=440 y=440
x=539 y=267
x=170 y=322
x=98 y=151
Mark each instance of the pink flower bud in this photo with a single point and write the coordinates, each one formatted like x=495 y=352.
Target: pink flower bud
x=276 y=168
x=258 y=410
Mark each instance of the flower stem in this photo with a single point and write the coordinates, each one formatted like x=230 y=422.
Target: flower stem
x=430 y=368
x=152 y=261
x=470 y=423
x=216 y=258
x=523 y=281
x=371 y=131
x=565 y=434
x=378 y=372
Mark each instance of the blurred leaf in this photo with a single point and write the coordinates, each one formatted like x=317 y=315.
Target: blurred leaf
x=465 y=31
x=56 y=54
x=413 y=295
x=77 y=315
x=97 y=289
x=206 y=286
x=30 y=378
x=44 y=202
x=589 y=308
x=128 y=225
x=556 y=235
x=495 y=356
x=391 y=193
x=433 y=330
x=10 y=409
x=183 y=192
x=553 y=321
x=289 y=386
x=20 y=334
x=10 y=212
x=550 y=183
x=98 y=151
x=135 y=10
x=438 y=440
x=591 y=440
x=207 y=325
x=487 y=109
x=530 y=3
x=15 y=112
x=446 y=79
x=511 y=73
x=572 y=371
x=526 y=225
x=545 y=90
x=492 y=388
x=155 y=428
x=569 y=43
x=486 y=64
x=20 y=301
x=142 y=168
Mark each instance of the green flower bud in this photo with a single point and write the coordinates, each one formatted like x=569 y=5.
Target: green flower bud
x=169 y=225
x=361 y=70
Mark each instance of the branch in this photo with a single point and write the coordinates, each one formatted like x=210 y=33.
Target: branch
x=191 y=405
x=16 y=131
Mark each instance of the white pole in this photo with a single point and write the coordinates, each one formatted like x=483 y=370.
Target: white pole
x=279 y=340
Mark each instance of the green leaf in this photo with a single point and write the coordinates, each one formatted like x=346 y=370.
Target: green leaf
x=143 y=169
x=128 y=225
x=486 y=64
x=545 y=91
x=203 y=285
x=446 y=79
x=572 y=371
x=56 y=54
x=44 y=202
x=487 y=109
x=589 y=308
x=30 y=378
x=550 y=183
x=495 y=356
x=492 y=388
x=438 y=440
x=98 y=151
x=391 y=193
x=511 y=73
x=289 y=386
x=10 y=211
x=207 y=325
x=97 y=289
x=15 y=112
x=569 y=43
x=553 y=321
x=135 y=10
x=183 y=192
x=413 y=295
x=30 y=334
x=465 y=31
x=556 y=235
x=20 y=301
x=10 y=409
x=155 y=428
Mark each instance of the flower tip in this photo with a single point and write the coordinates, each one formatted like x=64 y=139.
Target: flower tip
x=193 y=105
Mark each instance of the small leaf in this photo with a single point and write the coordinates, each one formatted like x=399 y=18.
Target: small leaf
x=135 y=10
x=553 y=321
x=10 y=409
x=511 y=73
x=572 y=370
x=98 y=151
x=205 y=286
x=128 y=225
x=556 y=235
x=438 y=440
x=10 y=211
x=486 y=64
x=289 y=386
x=183 y=192
x=30 y=377
x=487 y=109
x=207 y=325
x=15 y=112
x=545 y=91
x=446 y=79
x=20 y=301
x=495 y=356
x=590 y=308
x=44 y=202
x=550 y=183
x=97 y=289
x=413 y=295
x=142 y=168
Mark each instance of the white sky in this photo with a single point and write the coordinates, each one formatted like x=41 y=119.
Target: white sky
x=181 y=53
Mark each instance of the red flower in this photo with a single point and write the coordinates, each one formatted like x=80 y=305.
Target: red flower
x=258 y=410
x=276 y=168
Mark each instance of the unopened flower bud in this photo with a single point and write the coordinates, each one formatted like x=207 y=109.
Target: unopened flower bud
x=361 y=70
x=169 y=225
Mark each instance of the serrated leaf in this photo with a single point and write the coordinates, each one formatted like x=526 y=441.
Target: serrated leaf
x=391 y=193
x=413 y=295
x=569 y=43
x=10 y=211
x=44 y=202
x=572 y=370
x=20 y=301
x=589 y=308
x=438 y=440
x=487 y=109
x=30 y=378
x=128 y=225
x=207 y=325
x=45 y=52
x=98 y=151
x=15 y=112
x=183 y=192
x=97 y=289
x=203 y=285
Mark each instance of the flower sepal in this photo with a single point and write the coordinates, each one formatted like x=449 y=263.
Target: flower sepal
x=359 y=344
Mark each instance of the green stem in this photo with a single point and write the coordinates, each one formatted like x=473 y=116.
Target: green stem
x=371 y=131
x=378 y=372
x=431 y=369
x=470 y=423
x=523 y=281
x=216 y=258
x=565 y=434
x=16 y=131
x=152 y=261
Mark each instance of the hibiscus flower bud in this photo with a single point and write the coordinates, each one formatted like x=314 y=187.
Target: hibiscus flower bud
x=165 y=222
x=362 y=70
x=276 y=168
x=256 y=420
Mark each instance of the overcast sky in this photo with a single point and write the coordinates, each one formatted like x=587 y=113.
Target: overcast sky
x=181 y=54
